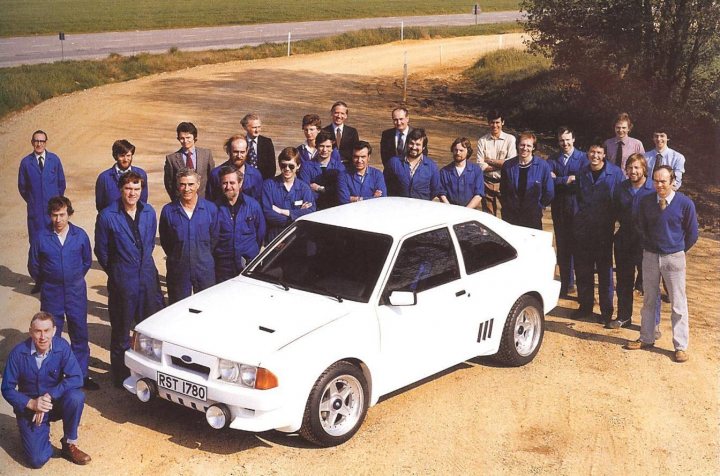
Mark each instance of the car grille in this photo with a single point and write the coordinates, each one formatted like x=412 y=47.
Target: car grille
x=197 y=368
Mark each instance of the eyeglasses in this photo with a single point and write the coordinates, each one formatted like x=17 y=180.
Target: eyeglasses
x=39 y=141
x=287 y=166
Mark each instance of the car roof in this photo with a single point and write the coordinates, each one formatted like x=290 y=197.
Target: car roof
x=395 y=216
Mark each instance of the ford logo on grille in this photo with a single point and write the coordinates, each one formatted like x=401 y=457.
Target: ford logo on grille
x=186 y=358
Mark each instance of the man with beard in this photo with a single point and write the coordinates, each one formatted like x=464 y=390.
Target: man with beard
x=236 y=149
x=462 y=181
x=107 y=186
x=415 y=175
x=124 y=243
x=188 y=233
x=241 y=226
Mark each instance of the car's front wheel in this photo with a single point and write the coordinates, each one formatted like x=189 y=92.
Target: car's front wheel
x=523 y=332
x=336 y=406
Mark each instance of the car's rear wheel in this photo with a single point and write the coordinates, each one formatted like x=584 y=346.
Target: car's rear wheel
x=523 y=332
x=336 y=406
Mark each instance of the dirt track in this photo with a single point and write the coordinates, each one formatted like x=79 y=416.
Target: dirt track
x=584 y=406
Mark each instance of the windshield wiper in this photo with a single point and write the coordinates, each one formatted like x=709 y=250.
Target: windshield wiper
x=324 y=291
x=269 y=278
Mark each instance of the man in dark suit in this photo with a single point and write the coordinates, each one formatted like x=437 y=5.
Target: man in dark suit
x=261 y=151
x=190 y=157
x=345 y=136
x=393 y=142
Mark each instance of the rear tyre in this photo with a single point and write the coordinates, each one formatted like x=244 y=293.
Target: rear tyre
x=336 y=406
x=523 y=333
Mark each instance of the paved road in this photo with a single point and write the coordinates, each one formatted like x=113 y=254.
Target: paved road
x=48 y=49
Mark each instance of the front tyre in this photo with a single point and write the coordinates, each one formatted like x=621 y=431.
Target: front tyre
x=523 y=332
x=336 y=406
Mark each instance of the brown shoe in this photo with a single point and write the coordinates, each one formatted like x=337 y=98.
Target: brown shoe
x=637 y=345
x=681 y=356
x=72 y=453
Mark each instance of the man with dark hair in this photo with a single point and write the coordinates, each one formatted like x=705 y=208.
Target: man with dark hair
x=668 y=228
x=415 y=175
x=565 y=166
x=188 y=157
x=41 y=382
x=59 y=259
x=622 y=146
x=311 y=126
x=241 y=226
x=236 y=149
x=664 y=155
x=494 y=148
x=323 y=172
x=364 y=182
x=393 y=141
x=345 y=137
x=593 y=228
x=124 y=243
x=188 y=234
x=107 y=189
x=40 y=178
x=261 y=151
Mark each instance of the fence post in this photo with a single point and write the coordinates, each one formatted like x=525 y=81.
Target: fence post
x=289 y=36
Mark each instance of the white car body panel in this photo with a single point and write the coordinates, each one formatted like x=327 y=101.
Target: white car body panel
x=297 y=334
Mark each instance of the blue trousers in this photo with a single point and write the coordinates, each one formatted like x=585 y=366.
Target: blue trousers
x=591 y=257
x=564 y=243
x=36 y=439
x=78 y=331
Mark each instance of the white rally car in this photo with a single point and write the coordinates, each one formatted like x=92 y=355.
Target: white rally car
x=346 y=305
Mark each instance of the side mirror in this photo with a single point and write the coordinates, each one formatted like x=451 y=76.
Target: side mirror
x=402 y=298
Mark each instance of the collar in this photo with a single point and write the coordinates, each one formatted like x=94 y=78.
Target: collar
x=64 y=233
x=669 y=198
x=44 y=156
x=119 y=172
x=34 y=351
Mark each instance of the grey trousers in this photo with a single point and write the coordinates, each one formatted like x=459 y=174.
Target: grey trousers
x=672 y=268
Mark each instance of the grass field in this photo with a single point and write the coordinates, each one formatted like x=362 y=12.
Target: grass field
x=36 y=17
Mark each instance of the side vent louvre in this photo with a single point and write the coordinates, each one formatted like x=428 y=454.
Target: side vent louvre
x=194 y=311
x=485 y=331
x=268 y=330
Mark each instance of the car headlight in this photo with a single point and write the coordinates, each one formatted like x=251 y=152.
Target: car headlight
x=246 y=375
x=147 y=346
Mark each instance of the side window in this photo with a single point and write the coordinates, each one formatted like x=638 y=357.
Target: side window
x=425 y=261
x=481 y=248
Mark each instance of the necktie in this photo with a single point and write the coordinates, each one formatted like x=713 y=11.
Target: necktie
x=400 y=146
x=658 y=161
x=618 y=155
x=338 y=137
x=188 y=161
x=663 y=204
x=41 y=162
x=252 y=154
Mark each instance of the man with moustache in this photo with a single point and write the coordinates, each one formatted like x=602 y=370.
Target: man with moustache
x=59 y=259
x=188 y=234
x=593 y=228
x=241 y=226
x=236 y=149
x=261 y=151
x=565 y=166
x=462 y=182
x=188 y=157
x=668 y=228
x=41 y=382
x=627 y=245
x=415 y=175
x=364 y=182
x=124 y=244
x=345 y=136
x=107 y=186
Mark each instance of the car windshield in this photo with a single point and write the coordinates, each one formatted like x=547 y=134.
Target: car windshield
x=339 y=262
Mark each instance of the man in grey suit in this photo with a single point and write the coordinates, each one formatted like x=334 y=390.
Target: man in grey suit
x=190 y=157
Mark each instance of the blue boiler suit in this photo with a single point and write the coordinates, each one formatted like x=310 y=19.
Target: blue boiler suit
x=423 y=184
x=239 y=238
x=353 y=185
x=251 y=185
x=460 y=189
x=274 y=193
x=133 y=280
x=59 y=376
x=329 y=176
x=593 y=229
x=539 y=192
x=564 y=207
x=60 y=271
x=107 y=187
x=37 y=187
x=188 y=244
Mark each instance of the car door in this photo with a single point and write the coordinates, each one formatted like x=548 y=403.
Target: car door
x=491 y=271
x=417 y=340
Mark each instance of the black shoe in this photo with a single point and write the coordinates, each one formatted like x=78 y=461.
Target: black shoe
x=618 y=323
x=580 y=314
x=604 y=320
x=35 y=289
x=90 y=384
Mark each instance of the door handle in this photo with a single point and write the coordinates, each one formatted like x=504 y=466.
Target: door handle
x=460 y=293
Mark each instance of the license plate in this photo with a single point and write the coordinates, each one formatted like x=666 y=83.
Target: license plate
x=184 y=387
